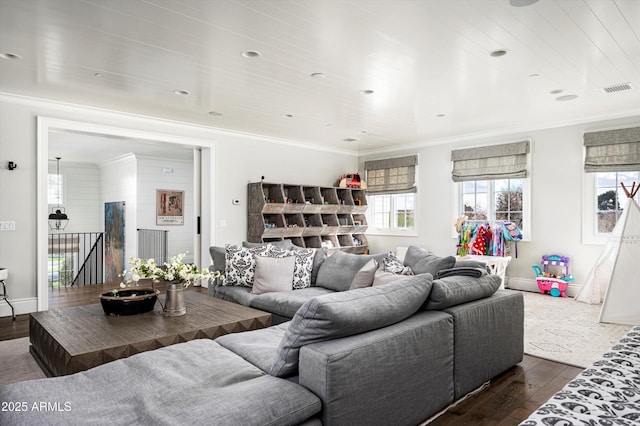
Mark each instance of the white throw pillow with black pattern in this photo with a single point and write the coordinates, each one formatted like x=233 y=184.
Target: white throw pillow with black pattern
x=394 y=265
x=240 y=264
x=303 y=266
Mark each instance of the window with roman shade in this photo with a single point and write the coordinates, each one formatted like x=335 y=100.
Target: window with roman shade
x=392 y=175
x=612 y=150
x=490 y=162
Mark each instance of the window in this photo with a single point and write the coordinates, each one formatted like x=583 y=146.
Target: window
x=391 y=193
x=54 y=189
x=610 y=198
x=500 y=199
x=611 y=157
x=392 y=211
x=491 y=183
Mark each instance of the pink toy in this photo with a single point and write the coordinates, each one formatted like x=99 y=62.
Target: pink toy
x=554 y=285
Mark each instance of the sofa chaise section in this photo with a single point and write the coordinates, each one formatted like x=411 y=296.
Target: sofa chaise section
x=196 y=383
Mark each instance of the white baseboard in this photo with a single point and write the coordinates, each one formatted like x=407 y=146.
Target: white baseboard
x=22 y=306
x=526 y=284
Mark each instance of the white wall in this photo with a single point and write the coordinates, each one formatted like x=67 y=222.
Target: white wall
x=81 y=196
x=237 y=160
x=151 y=178
x=556 y=188
x=118 y=183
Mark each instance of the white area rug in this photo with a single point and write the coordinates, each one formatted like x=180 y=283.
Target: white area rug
x=566 y=331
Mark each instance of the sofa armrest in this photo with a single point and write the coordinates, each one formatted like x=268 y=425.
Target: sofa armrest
x=400 y=374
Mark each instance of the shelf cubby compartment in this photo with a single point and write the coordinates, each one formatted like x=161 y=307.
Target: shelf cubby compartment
x=330 y=222
x=294 y=225
x=272 y=198
x=359 y=197
x=313 y=199
x=313 y=224
x=345 y=223
x=297 y=241
x=313 y=241
x=345 y=200
x=360 y=240
x=330 y=242
x=345 y=240
x=293 y=198
x=359 y=223
x=274 y=225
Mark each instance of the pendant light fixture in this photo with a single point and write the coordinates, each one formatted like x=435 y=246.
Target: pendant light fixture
x=58 y=219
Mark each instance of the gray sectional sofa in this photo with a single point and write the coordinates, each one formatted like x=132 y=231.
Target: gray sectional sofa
x=396 y=353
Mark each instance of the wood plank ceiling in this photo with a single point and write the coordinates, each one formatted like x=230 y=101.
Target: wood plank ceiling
x=427 y=62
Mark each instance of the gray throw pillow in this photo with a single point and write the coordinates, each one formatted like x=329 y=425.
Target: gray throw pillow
x=422 y=262
x=218 y=258
x=364 y=277
x=382 y=277
x=338 y=270
x=342 y=314
x=456 y=290
x=273 y=274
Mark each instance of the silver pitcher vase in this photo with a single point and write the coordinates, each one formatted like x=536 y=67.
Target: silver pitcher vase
x=174 y=301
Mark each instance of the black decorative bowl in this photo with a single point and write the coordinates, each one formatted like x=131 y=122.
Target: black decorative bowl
x=129 y=301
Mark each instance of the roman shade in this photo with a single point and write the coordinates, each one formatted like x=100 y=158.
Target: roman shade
x=392 y=175
x=490 y=162
x=612 y=150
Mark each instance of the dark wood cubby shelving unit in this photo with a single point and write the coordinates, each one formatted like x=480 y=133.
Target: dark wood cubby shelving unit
x=309 y=216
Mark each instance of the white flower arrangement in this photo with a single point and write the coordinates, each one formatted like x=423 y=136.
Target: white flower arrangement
x=174 y=270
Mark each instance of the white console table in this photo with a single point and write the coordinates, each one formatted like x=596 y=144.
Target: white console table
x=497 y=264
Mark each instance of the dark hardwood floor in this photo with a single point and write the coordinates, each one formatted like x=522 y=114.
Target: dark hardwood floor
x=507 y=400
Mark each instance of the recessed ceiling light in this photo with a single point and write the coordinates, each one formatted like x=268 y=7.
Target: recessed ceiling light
x=367 y=92
x=10 y=56
x=287 y=115
x=180 y=92
x=522 y=3
x=98 y=75
x=556 y=91
x=566 y=98
x=440 y=115
x=498 y=53
x=534 y=75
x=216 y=113
x=350 y=140
x=250 y=54
x=318 y=75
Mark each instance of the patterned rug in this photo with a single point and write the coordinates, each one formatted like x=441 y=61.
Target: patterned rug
x=566 y=331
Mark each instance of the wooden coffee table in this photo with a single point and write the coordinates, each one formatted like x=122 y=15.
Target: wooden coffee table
x=65 y=341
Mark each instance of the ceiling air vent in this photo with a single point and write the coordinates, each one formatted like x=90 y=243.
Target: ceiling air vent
x=618 y=88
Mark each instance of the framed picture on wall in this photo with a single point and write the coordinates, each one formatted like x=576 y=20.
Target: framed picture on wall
x=169 y=207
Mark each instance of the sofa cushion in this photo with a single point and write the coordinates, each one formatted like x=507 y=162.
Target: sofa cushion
x=193 y=383
x=347 y=313
x=382 y=277
x=456 y=290
x=338 y=270
x=273 y=274
x=286 y=303
x=236 y=294
x=259 y=347
x=421 y=261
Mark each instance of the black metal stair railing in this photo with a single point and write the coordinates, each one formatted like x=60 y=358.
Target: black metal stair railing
x=75 y=259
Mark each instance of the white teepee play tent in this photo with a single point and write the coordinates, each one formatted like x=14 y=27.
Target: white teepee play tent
x=613 y=280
